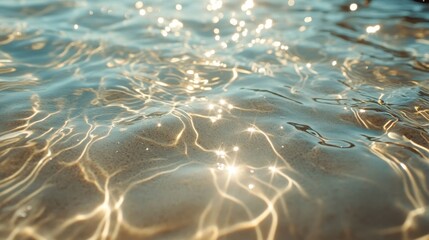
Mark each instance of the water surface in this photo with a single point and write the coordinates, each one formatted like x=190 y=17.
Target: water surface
x=214 y=119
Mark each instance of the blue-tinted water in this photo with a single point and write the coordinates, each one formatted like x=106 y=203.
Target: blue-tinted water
x=214 y=119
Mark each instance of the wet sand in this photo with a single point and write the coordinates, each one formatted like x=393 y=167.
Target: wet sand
x=179 y=176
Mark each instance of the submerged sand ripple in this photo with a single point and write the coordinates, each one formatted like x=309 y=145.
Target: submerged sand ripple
x=179 y=175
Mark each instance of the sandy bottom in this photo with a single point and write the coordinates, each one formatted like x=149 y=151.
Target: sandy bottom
x=197 y=176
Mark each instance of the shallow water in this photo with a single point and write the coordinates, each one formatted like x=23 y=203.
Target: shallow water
x=214 y=119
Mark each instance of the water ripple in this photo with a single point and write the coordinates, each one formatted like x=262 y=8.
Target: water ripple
x=215 y=119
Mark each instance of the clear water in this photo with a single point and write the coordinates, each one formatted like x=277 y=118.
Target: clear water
x=214 y=119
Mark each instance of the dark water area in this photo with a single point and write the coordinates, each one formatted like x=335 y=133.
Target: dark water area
x=214 y=119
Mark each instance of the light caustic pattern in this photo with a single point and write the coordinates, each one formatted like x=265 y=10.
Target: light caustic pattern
x=217 y=119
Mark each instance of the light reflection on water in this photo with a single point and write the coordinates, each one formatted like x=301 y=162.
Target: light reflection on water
x=214 y=119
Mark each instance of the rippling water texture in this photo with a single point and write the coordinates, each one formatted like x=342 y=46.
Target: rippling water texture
x=261 y=119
